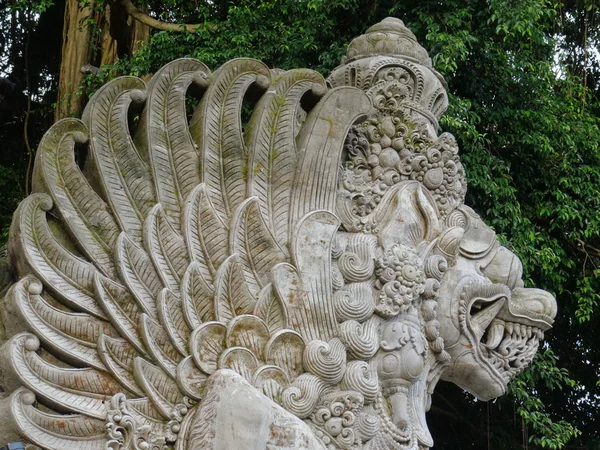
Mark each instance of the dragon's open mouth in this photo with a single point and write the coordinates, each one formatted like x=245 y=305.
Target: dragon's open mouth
x=507 y=326
x=509 y=346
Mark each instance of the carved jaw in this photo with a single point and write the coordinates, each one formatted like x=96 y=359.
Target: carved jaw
x=511 y=340
x=471 y=368
x=493 y=324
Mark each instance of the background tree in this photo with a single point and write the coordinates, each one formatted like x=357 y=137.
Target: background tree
x=524 y=82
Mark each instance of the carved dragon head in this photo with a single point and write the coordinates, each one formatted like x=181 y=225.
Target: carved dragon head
x=494 y=324
x=214 y=284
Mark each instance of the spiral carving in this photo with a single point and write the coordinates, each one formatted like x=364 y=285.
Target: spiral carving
x=355 y=267
x=457 y=218
x=361 y=340
x=338 y=246
x=326 y=360
x=354 y=302
x=435 y=266
x=337 y=279
x=362 y=378
x=347 y=436
x=367 y=424
x=44 y=201
x=302 y=396
x=30 y=342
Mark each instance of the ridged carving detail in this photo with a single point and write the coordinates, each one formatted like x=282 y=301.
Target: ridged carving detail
x=362 y=378
x=327 y=360
x=360 y=339
x=302 y=396
x=354 y=302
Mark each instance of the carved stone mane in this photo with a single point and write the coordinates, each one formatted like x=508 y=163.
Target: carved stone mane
x=300 y=281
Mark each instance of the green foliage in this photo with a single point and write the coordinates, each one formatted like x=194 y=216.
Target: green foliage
x=29 y=58
x=11 y=196
x=543 y=371
x=31 y=7
x=282 y=33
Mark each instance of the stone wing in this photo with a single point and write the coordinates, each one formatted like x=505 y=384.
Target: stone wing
x=161 y=245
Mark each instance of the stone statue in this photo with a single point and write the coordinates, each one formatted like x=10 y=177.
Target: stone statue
x=298 y=280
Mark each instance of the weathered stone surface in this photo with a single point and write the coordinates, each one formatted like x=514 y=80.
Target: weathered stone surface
x=299 y=281
x=234 y=414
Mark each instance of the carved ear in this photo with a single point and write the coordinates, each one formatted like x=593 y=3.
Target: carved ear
x=408 y=215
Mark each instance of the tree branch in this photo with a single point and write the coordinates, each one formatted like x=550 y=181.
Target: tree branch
x=588 y=249
x=159 y=25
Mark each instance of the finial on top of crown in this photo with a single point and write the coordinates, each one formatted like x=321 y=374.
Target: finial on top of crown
x=390 y=37
x=390 y=65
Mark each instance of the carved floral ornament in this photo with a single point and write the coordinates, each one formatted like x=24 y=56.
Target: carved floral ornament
x=301 y=281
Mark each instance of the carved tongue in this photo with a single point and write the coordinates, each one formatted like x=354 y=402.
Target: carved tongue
x=495 y=334
x=481 y=320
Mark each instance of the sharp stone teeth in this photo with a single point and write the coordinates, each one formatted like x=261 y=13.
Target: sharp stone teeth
x=495 y=334
x=509 y=328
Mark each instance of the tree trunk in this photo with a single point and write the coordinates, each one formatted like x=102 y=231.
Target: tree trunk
x=140 y=33
x=76 y=52
x=119 y=36
x=107 y=45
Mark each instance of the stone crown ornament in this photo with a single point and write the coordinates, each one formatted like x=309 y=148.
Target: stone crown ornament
x=389 y=64
x=390 y=37
x=299 y=281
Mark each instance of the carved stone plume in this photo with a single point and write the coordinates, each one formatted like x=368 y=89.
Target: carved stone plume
x=299 y=281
